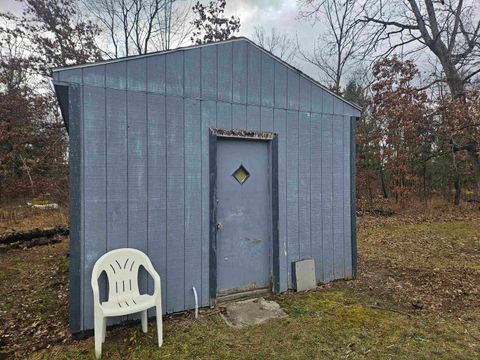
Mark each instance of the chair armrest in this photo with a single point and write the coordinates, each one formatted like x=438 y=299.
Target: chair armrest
x=156 y=277
x=96 y=291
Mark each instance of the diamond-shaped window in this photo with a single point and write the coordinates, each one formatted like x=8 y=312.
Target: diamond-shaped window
x=241 y=174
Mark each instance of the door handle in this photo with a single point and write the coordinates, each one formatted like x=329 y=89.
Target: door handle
x=218 y=226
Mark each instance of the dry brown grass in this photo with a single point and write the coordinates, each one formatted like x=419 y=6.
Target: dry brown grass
x=20 y=217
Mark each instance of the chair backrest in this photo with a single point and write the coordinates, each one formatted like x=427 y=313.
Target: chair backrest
x=121 y=267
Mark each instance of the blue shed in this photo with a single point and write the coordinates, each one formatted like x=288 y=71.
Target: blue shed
x=221 y=162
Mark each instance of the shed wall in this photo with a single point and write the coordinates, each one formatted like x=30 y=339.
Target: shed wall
x=142 y=163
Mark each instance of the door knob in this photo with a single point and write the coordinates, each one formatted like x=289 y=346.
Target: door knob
x=218 y=226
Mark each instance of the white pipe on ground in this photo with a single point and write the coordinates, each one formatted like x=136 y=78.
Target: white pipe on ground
x=196 y=301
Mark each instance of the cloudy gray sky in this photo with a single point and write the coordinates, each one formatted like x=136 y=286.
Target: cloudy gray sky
x=279 y=14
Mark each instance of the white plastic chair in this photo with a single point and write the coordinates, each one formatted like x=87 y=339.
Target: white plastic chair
x=121 y=267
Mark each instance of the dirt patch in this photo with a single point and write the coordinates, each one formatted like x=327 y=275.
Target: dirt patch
x=243 y=313
x=448 y=290
x=434 y=266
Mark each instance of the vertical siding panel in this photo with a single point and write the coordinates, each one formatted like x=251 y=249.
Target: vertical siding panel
x=192 y=73
x=327 y=197
x=239 y=117
x=305 y=94
x=137 y=75
x=137 y=175
x=254 y=75
x=94 y=190
x=209 y=72
x=293 y=89
x=94 y=75
x=327 y=103
x=156 y=73
x=174 y=73
x=175 y=205
x=347 y=233
x=268 y=73
x=225 y=68
x=304 y=162
x=280 y=86
x=292 y=189
x=116 y=74
x=317 y=99
x=253 y=118
x=76 y=172
x=240 y=72
x=347 y=110
x=280 y=127
x=193 y=201
x=157 y=189
x=72 y=76
x=316 y=195
x=266 y=119
x=116 y=118
x=209 y=116
x=353 y=223
x=224 y=115
x=338 y=221
x=338 y=106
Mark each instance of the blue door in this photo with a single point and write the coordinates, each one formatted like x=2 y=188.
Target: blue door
x=243 y=216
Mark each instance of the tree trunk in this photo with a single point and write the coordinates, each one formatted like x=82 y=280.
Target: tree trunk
x=370 y=192
x=476 y=170
x=424 y=175
x=384 y=185
x=458 y=188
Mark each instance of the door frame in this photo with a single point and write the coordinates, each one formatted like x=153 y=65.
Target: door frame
x=272 y=140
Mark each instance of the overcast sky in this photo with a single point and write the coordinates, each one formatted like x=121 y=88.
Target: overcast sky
x=279 y=14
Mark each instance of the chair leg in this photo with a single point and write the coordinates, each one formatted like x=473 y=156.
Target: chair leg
x=159 y=325
x=98 y=329
x=144 y=318
x=104 y=330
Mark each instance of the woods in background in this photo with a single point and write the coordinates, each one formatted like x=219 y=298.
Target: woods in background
x=419 y=135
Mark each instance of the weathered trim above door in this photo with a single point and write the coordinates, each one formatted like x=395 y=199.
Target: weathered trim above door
x=243 y=134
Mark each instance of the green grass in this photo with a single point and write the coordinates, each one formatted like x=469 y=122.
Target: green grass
x=321 y=325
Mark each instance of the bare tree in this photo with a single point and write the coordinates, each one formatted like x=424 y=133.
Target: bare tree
x=450 y=29
x=278 y=44
x=343 y=42
x=174 y=25
x=139 y=26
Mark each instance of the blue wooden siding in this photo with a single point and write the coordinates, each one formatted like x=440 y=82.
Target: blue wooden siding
x=175 y=204
x=94 y=189
x=292 y=190
x=143 y=131
x=116 y=161
x=157 y=185
x=280 y=127
x=304 y=203
x=193 y=200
